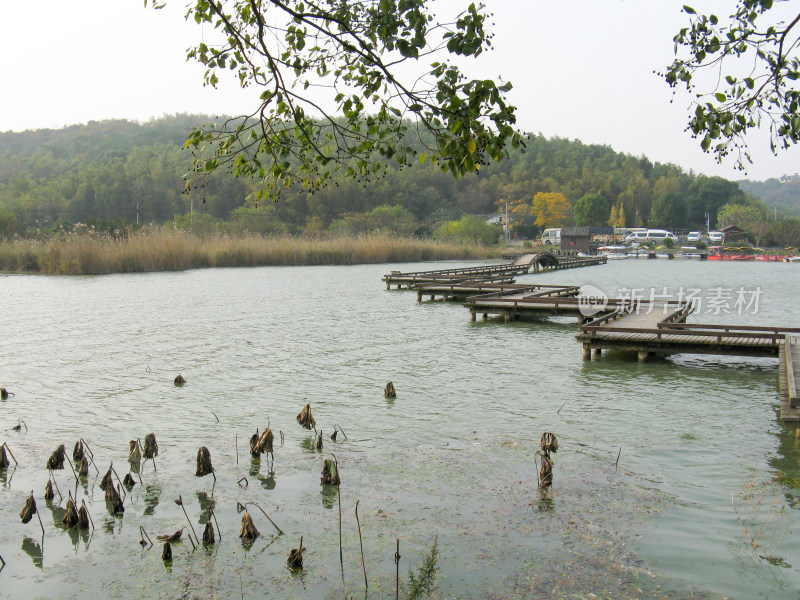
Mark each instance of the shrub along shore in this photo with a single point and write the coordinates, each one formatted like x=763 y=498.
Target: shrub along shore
x=167 y=249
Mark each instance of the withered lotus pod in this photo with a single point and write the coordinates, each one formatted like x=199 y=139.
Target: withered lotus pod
x=150 y=446
x=179 y=380
x=166 y=553
x=77 y=452
x=128 y=481
x=295 y=560
x=56 y=460
x=319 y=441
x=389 y=391
x=3 y=394
x=83 y=518
x=83 y=470
x=546 y=472
x=203 y=462
x=330 y=474
x=71 y=516
x=248 y=532
x=549 y=442
x=254 y=444
x=135 y=454
x=106 y=482
x=48 y=491
x=334 y=434
x=4 y=463
x=27 y=512
x=305 y=419
x=208 y=534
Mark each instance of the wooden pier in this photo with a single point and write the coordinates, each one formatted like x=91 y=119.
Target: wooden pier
x=463 y=290
x=498 y=273
x=788 y=373
x=631 y=329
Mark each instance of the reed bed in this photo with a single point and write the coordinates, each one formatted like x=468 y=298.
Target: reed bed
x=165 y=249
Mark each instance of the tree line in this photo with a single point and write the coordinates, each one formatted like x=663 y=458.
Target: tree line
x=124 y=172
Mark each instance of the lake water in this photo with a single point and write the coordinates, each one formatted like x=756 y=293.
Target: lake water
x=452 y=459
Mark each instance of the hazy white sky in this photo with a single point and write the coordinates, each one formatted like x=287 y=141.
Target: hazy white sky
x=581 y=69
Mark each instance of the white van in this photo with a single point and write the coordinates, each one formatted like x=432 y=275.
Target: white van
x=650 y=235
x=716 y=237
x=552 y=236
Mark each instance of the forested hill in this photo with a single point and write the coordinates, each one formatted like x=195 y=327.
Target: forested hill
x=782 y=194
x=120 y=170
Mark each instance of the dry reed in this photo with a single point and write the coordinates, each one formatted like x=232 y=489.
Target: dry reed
x=168 y=249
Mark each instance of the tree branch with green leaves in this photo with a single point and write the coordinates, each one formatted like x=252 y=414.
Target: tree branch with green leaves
x=341 y=87
x=752 y=61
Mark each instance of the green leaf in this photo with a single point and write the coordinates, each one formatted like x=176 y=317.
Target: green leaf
x=720 y=97
x=471 y=146
x=688 y=9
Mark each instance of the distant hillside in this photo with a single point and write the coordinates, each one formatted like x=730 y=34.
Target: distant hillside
x=134 y=171
x=782 y=194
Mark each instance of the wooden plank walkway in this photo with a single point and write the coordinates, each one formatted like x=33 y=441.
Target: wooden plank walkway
x=463 y=290
x=531 y=262
x=789 y=379
x=649 y=336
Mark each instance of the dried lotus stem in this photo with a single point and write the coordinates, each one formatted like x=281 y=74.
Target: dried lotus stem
x=171 y=537
x=84 y=518
x=143 y=535
x=546 y=472
x=306 y=419
x=330 y=473
x=56 y=460
x=166 y=553
x=49 y=494
x=208 y=534
x=248 y=532
x=295 y=560
x=6 y=448
x=179 y=502
x=77 y=452
x=336 y=430
x=266 y=515
x=204 y=466
x=70 y=518
x=27 y=512
x=135 y=453
x=150 y=446
x=549 y=442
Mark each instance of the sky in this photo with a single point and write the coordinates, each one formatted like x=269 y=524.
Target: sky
x=581 y=69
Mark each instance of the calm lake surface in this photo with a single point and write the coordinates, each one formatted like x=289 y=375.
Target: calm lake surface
x=702 y=447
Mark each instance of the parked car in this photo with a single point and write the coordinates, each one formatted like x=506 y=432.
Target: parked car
x=716 y=237
x=552 y=236
x=694 y=236
x=650 y=235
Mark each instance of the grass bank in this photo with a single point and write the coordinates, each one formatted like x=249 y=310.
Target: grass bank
x=164 y=249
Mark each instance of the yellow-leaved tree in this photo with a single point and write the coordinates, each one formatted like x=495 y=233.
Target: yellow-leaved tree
x=550 y=209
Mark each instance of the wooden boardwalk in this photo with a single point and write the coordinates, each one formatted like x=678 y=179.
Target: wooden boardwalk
x=650 y=335
x=789 y=378
x=505 y=272
x=464 y=290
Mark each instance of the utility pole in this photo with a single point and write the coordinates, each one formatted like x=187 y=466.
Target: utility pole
x=137 y=214
x=506 y=223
